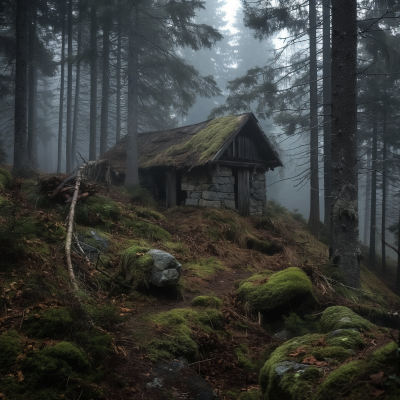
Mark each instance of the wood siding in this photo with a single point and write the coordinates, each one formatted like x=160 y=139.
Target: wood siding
x=171 y=188
x=244 y=191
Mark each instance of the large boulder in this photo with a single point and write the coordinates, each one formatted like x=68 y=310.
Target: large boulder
x=166 y=270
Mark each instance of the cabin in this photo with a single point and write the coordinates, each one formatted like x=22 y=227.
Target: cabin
x=219 y=163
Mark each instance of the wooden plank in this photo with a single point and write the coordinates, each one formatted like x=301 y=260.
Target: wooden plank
x=244 y=191
x=171 y=188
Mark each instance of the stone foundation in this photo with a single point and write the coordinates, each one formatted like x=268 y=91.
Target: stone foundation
x=207 y=188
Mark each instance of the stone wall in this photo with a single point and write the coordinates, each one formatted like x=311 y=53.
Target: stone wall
x=258 y=194
x=207 y=188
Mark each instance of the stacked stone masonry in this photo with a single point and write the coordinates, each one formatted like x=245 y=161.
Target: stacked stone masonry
x=216 y=189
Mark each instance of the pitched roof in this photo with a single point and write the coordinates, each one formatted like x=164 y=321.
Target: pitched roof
x=192 y=145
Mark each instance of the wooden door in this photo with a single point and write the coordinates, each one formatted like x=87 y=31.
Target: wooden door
x=244 y=191
x=171 y=188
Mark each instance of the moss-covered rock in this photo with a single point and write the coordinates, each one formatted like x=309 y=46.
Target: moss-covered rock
x=6 y=179
x=69 y=353
x=207 y=301
x=284 y=376
x=10 y=345
x=339 y=317
x=135 y=265
x=345 y=338
x=145 y=230
x=333 y=352
x=276 y=291
x=53 y=322
x=179 y=323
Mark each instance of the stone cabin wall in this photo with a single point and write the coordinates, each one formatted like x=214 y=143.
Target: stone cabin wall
x=208 y=188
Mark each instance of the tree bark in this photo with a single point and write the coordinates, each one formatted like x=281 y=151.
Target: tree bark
x=398 y=256
x=367 y=214
x=314 y=179
x=68 y=157
x=384 y=155
x=344 y=248
x=32 y=82
x=21 y=160
x=132 y=165
x=93 y=83
x=77 y=94
x=327 y=71
x=372 y=241
x=62 y=83
x=106 y=85
x=119 y=49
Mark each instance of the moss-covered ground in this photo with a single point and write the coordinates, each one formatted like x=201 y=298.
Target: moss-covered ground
x=243 y=281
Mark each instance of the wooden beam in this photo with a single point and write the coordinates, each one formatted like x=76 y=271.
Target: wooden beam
x=171 y=188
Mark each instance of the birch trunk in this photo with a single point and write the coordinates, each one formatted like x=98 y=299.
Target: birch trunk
x=21 y=160
x=344 y=248
x=106 y=86
x=61 y=111
x=314 y=179
x=132 y=165
x=68 y=157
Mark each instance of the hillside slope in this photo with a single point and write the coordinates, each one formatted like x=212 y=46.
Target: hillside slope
x=255 y=313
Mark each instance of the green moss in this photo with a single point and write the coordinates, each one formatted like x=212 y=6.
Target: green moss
x=69 y=353
x=284 y=289
x=298 y=326
x=6 y=179
x=251 y=395
x=135 y=265
x=54 y=323
x=346 y=338
x=98 y=210
x=245 y=362
x=292 y=385
x=339 y=317
x=145 y=230
x=335 y=353
x=207 y=301
x=208 y=141
x=178 y=340
x=105 y=316
x=149 y=213
x=10 y=345
x=204 y=267
x=175 y=247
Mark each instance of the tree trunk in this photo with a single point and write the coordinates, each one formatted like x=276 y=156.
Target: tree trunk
x=32 y=82
x=132 y=165
x=119 y=47
x=314 y=194
x=367 y=214
x=68 y=157
x=21 y=160
x=398 y=257
x=93 y=83
x=372 y=235
x=327 y=71
x=106 y=86
x=76 y=106
x=61 y=111
x=344 y=248
x=384 y=155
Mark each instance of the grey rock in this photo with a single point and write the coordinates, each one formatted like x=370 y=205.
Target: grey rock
x=345 y=319
x=223 y=196
x=257 y=185
x=338 y=331
x=210 y=196
x=284 y=334
x=202 y=203
x=286 y=366
x=186 y=186
x=227 y=188
x=192 y=202
x=166 y=269
x=225 y=172
x=195 y=195
x=230 y=204
x=157 y=383
x=213 y=204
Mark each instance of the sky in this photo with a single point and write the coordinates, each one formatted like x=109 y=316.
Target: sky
x=230 y=9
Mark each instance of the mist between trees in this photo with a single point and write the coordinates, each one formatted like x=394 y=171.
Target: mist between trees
x=78 y=75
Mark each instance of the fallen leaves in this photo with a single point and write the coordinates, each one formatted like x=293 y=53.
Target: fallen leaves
x=299 y=352
x=313 y=361
x=20 y=376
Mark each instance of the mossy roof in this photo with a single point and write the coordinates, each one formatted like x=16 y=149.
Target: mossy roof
x=193 y=145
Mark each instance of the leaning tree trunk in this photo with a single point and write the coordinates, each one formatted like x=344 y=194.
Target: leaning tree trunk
x=398 y=256
x=132 y=165
x=372 y=234
x=367 y=214
x=384 y=155
x=314 y=195
x=327 y=108
x=106 y=86
x=119 y=47
x=93 y=83
x=344 y=247
x=77 y=94
x=61 y=111
x=32 y=83
x=21 y=160
x=68 y=157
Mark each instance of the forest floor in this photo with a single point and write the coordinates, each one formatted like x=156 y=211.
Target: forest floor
x=111 y=342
